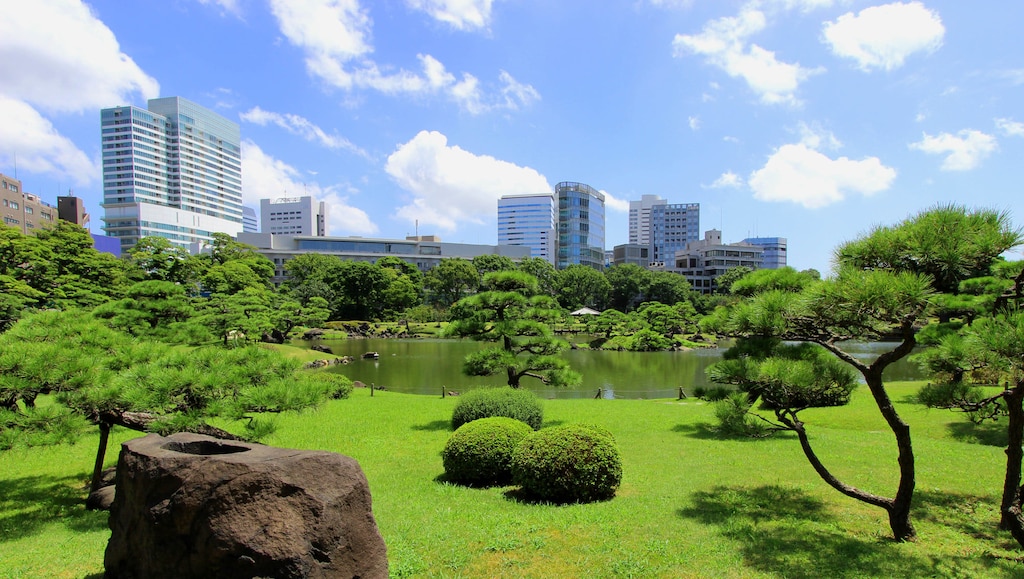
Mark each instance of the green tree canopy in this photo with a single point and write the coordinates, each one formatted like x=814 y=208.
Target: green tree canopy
x=582 y=286
x=511 y=312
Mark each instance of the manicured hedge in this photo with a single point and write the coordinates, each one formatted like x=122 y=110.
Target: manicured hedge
x=479 y=453
x=521 y=405
x=570 y=463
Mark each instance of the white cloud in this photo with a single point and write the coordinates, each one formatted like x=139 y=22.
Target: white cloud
x=302 y=127
x=460 y=14
x=882 y=37
x=815 y=137
x=227 y=6
x=723 y=43
x=802 y=5
x=614 y=203
x=1010 y=127
x=31 y=141
x=799 y=173
x=671 y=3
x=694 y=123
x=727 y=180
x=265 y=177
x=964 y=151
x=335 y=35
x=450 y=185
x=58 y=56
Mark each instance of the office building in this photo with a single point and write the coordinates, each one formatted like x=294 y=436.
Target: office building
x=424 y=251
x=580 y=225
x=250 y=223
x=24 y=211
x=672 y=226
x=531 y=221
x=293 y=216
x=774 y=250
x=640 y=218
x=72 y=210
x=173 y=170
x=631 y=253
x=704 y=260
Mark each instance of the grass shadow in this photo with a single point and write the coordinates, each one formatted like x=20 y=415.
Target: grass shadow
x=961 y=512
x=434 y=426
x=788 y=533
x=522 y=496
x=986 y=433
x=708 y=431
x=444 y=479
x=28 y=504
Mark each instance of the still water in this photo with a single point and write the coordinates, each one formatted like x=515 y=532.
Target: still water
x=430 y=366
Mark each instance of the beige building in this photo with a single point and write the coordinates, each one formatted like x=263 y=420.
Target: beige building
x=23 y=210
x=704 y=260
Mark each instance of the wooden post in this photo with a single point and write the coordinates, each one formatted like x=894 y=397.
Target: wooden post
x=371 y=389
x=442 y=391
x=682 y=393
x=598 y=394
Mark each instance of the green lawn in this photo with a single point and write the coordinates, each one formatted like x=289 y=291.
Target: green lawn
x=691 y=504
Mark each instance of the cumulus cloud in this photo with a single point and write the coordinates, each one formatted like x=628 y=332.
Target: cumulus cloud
x=800 y=173
x=301 y=126
x=694 y=123
x=724 y=43
x=38 y=146
x=964 y=151
x=727 y=180
x=57 y=56
x=336 y=37
x=614 y=203
x=882 y=37
x=459 y=14
x=1010 y=127
x=450 y=185
x=265 y=177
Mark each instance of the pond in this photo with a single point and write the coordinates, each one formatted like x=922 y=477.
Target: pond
x=431 y=366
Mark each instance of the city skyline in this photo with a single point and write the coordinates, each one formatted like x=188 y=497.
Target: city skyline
x=812 y=120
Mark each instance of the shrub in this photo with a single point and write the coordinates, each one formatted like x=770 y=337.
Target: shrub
x=570 y=463
x=733 y=414
x=522 y=405
x=480 y=452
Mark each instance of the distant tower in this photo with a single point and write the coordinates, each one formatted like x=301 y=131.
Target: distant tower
x=640 y=218
x=173 y=170
x=580 y=225
x=250 y=224
x=530 y=220
x=293 y=216
x=672 y=227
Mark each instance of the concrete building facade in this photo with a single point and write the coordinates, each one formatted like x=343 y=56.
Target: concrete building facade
x=704 y=260
x=424 y=252
x=640 y=218
x=293 y=216
x=529 y=220
x=24 y=211
x=173 y=170
x=774 y=251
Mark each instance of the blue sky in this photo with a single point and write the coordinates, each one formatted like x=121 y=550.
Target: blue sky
x=812 y=120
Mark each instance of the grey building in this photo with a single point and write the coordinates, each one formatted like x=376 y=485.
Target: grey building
x=293 y=216
x=703 y=261
x=774 y=250
x=424 y=252
x=529 y=220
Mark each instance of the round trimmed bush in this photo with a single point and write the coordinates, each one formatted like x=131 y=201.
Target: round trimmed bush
x=479 y=453
x=570 y=463
x=522 y=405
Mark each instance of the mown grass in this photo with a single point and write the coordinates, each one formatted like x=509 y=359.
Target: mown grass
x=692 y=504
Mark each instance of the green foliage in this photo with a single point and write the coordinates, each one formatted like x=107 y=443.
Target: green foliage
x=647 y=340
x=784 y=279
x=724 y=282
x=521 y=405
x=567 y=464
x=480 y=452
x=582 y=286
x=450 y=280
x=734 y=418
x=629 y=283
x=510 y=313
x=40 y=426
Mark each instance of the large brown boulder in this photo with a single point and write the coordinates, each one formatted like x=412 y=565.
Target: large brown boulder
x=194 y=506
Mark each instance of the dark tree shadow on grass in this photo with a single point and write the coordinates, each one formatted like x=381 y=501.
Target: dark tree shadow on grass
x=435 y=426
x=989 y=433
x=708 y=431
x=977 y=516
x=789 y=533
x=28 y=504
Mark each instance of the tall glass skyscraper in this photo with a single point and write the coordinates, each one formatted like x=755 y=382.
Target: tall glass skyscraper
x=173 y=170
x=672 y=226
x=529 y=220
x=580 y=225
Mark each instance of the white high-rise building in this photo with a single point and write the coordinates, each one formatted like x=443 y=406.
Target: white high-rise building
x=173 y=170
x=640 y=218
x=529 y=220
x=293 y=216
